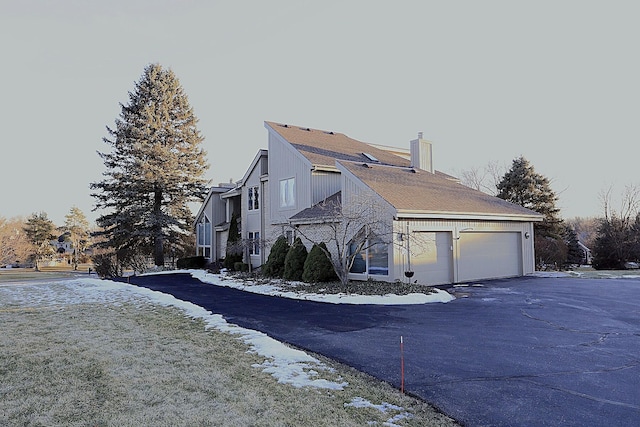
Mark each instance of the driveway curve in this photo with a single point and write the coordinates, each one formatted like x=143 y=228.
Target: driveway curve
x=517 y=352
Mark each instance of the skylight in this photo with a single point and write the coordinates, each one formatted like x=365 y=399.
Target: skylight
x=371 y=157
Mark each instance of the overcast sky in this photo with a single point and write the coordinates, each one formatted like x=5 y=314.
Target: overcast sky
x=557 y=82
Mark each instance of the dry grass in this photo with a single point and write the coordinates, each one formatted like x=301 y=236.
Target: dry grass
x=133 y=363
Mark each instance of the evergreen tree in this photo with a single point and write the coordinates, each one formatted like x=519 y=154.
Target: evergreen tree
x=616 y=243
x=76 y=227
x=294 y=261
x=523 y=186
x=234 y=244
x=317 y=267
x=575 y=256
x=274 y=267
x=154 y=170
x=40 y=231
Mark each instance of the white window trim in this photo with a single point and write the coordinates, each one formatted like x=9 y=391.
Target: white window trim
x=287 y=195
x=253 y=198
x=254 y=248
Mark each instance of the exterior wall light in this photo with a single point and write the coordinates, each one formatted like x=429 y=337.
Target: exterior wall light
x=527 y=235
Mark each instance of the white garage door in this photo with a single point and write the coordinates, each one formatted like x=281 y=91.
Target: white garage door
x=431 y=258
x=489 y=255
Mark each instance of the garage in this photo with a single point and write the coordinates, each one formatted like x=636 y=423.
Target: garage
x=489 y=255
x=431 y=258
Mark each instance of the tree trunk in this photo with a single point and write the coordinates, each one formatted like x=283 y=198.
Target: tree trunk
x=158 y=239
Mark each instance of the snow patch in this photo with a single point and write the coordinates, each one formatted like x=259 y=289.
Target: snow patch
x=273 y=289
x=384 y=407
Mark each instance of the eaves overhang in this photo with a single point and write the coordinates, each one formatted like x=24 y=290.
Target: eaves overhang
x=324 y=168
x=231 y=193
x=409 y=214
x=317 y=220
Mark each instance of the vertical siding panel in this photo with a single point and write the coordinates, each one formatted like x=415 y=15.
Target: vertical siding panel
x=285 y=162
x=324 y=184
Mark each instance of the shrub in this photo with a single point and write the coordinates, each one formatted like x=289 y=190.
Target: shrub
x=274 y=267
x=197 y=262
x=294 y=261
x=317 y=266
x=105 y=265
x=234 y=244
x=241 y=266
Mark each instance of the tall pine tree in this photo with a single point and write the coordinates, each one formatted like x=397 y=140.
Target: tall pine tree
x=523 y=186
x=154 y=170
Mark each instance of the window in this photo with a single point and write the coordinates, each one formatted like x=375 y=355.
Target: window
x=378 y=257
x=287 y=193
x=372 y=259
x=289 y=236
x=203 y=232
x=254 y=198
x=254 y=243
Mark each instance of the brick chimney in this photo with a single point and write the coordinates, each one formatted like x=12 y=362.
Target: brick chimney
x=421 y=154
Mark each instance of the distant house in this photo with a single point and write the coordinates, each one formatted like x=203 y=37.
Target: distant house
x=439 y=230
x=586 y=254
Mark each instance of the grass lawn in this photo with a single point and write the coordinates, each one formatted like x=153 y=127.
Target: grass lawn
x=45 y=273
x=70 y=360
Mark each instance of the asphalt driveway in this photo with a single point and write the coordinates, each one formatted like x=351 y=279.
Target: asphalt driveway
x=517 y=352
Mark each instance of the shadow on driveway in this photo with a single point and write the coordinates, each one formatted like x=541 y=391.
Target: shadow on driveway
x=525 y=352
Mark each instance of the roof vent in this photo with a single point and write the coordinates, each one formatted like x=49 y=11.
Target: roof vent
x=371 y=157
x=330 y=133
x=307 y=129
x=364 y=165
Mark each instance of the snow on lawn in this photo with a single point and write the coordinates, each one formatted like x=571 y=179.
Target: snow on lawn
x=273 y=289
x=287 y=365
x=590 y=274
x=384 y=407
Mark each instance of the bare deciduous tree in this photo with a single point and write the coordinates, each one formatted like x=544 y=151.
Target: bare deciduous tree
x=14 y=245
x=77 y=227
x=618 y=238
x=347 y=229
x=484 y=179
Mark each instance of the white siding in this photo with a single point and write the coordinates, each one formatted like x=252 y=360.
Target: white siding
x=323 y=185
x=215 y=210
x=252 y=219
x=286 y=162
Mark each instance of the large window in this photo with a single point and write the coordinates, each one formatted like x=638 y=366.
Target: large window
x=254 y=198
x=373 y=259
x=287 y=193
x=203 y=233
x=254 y=243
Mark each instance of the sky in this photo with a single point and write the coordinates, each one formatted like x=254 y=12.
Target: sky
x=553 y=81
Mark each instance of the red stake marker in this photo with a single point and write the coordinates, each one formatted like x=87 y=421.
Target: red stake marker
x=401 y=365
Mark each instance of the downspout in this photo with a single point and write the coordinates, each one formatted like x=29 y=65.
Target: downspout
x=262 y=221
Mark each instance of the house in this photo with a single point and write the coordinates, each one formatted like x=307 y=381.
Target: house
x=423 y=225
x=587 y=258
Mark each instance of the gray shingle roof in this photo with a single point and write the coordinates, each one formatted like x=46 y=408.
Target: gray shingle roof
x=326 y=209
x=408 y=190
x=419 y=191
x=323 y=148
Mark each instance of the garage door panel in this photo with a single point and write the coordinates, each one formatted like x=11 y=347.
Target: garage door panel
x=489 y=255
x=431 y=258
